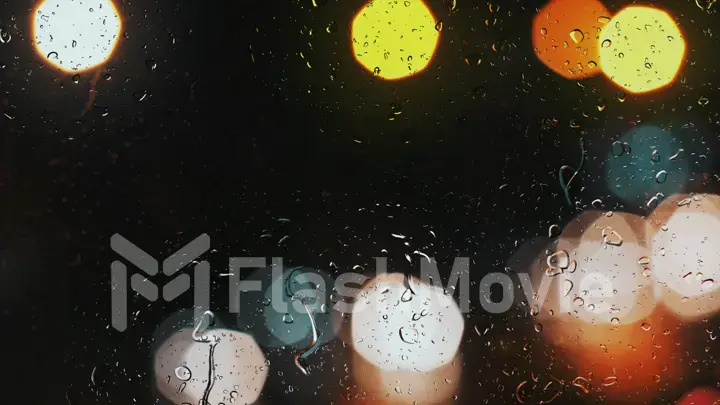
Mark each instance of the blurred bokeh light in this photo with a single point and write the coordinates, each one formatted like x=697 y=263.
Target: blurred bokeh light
x=685 y=233
x=646 y=164
x=642 y=49
x=182 y=366
x=394 y=39
x=406 y=336
x=565 y=36
x=73 y=35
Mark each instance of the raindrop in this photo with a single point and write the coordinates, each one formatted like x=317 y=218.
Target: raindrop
x=615 y=321
x=553 y=231
x=183 y=373
x=287 y=318
x=74 y=43
x=559 y=259
x=603 y=20
x=644 y=260
x=708 y=282
x=568 y=287
x=601 y=104
x=678 y=155
x=661 y=176
x=606 y=43
x=611 y=237
x=620 y=96
x=107 y=76
x=76 y=79
x=538 y=327
x=621 y=55
x=5 y=36
x=612 y=380
x=577 y=36
x=645 y=326
x=151 y=64
x=703 y=101
x=376 y=71
x=647 y=272
x=409 y=335
x=439 y=26
x=617 y=149
x=319 y=3
x=578 y=301
x=543 y=31
x=473 y=59
x=266 y=301
x=140 y=95
x=655 y=157
x=332 y=27
x=52 y=55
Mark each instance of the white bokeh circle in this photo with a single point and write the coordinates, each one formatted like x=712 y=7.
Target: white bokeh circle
x=76 y=35
x=181 y=368
x=396 y=329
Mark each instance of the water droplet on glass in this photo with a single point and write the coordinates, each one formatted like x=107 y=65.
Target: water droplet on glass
x=617 y=149
x=606 y=43
x=140 y=95
x=5 y=36
x=266 y=301
x=409 y=335
x=603 y=20
x=577 y=36
x=644 y=260
x=473 y=59
x=703 y=101
x=645 y=326
x=332 y=27
x=559 y=259
x=578 y=301
x=620 y=96
x=655 y=157
x=647 y=272
x=661 y=176
x=183 y=373
x=543 y=31
x=615 y=321
x=538 y=327
x=76 y=79
x=678 y=155
x=52 y=55
x=553 y=231
x=74 y=43
x=611 y=237
x=151 y=64
x=568 y=286
x=608 y=381
x=287 y=318
x=621 y=55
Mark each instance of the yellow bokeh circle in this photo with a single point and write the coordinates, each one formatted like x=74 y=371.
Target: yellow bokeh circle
x=394 y=39
x=641 y=49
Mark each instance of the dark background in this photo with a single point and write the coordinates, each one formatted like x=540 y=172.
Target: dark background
x=227 y=146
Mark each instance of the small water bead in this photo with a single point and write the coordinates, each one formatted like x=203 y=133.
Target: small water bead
x=578 y=301
x=287 y=318
x=603 y=19
x=559 y=259
x=543 y=31
x=645 y=326
x=183 y=373
x=644 y=260
x=577 y=36
x=538 y=327
x=615 y=321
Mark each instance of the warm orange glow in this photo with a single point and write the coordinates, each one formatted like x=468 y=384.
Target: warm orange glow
x=600 y=311
x=565 y=34
x=74 y=36
x=641 y=49
x=700 y=396
x=394 y=39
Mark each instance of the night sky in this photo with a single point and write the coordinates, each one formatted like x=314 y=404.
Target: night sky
x=207 y=119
